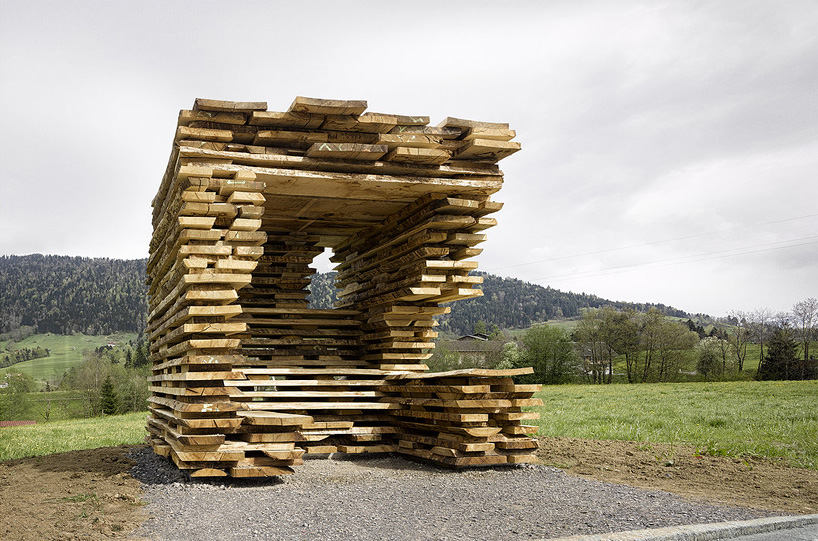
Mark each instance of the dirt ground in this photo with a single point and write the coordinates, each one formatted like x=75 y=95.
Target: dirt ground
x=90 y=495
x=76 y=495
x=746 y=482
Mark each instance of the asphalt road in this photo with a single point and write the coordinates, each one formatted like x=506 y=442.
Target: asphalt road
x=786 y=528
x=806 y=533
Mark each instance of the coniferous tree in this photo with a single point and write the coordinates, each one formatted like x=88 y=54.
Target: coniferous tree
x=65 y=295
x=781 y=360
x=141 y=354
x=109 y=401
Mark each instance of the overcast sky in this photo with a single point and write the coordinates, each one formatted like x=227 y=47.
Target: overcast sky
x=670 y=150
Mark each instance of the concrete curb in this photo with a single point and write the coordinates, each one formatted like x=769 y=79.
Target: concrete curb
x=703 y=532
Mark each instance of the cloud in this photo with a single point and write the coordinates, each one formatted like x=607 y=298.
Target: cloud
x=642 y=124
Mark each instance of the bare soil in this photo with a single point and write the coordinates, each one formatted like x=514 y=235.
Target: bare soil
x=75 y=495
x=742 y=481
x=91 y=494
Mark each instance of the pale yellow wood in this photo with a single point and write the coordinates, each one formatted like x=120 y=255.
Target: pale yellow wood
x=290 y=119
x=460 y=123
x=347 y=151
x=239 y=265
x=273 y=418
x=222 y=105
x=366 y=124
x=417 y=155
x=194 y=222
x=497 y=134
x=327 y=107
x=289 y=137
x=245 y=224
x=486 y=149
x=248 y=198
x=204 y=134
x=187 y=116
x=240 y=197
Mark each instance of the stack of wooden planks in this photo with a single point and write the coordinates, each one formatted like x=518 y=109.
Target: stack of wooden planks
x=469 y=417
x=246 y=376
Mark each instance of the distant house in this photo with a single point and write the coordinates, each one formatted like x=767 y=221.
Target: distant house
x=596 y=360
x=473 y=350
x=475 y=336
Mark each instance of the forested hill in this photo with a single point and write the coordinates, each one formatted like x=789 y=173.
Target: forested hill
x=64 y=295
x=508 y=303
x=513 y=304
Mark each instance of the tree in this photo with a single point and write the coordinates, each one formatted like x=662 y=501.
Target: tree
x=133 y=390
x=698 y=329
x=673 y=340
x=46 y=412
x=64 y=295
x=708 y=354
x=88 y=378
x=480 y=327
x=588 y=334
x=550 y=352
x=108 y=401
x=649 y=331
x=620 y=331
x=442 y=359
x=723 y=345
x=740 y=336
x=782 y=356
x=805 y=317
x=510 y=357
x=140 y=357
x=14 y=399
x=761 y=318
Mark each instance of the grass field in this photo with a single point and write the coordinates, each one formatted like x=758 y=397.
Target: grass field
x=769 y=419
x=568 y=325
x=61 y=436
x=53 y=405
x=766 y=419
x=66 y=351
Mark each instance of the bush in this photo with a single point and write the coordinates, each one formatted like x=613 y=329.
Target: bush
x=550 y=351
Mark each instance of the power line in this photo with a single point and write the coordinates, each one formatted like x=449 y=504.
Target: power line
x=675 y=260
x=608 y=250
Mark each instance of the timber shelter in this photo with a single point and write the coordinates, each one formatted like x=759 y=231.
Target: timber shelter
x=247 y=378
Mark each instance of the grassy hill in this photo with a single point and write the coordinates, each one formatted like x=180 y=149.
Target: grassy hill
x=66 y=351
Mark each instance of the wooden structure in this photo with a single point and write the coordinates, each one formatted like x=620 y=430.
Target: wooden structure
x=246 y=376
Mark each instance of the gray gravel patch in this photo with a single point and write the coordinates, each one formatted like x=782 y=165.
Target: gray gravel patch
x=388 y=497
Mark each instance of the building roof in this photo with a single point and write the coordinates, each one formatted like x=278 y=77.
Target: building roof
x=472 y=346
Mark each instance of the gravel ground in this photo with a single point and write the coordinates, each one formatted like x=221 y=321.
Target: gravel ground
x=388 y=497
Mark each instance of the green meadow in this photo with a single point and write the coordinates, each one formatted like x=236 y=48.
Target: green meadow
x=763 y=419
x=66 y=351
x=72 y=435
x=757 y=418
